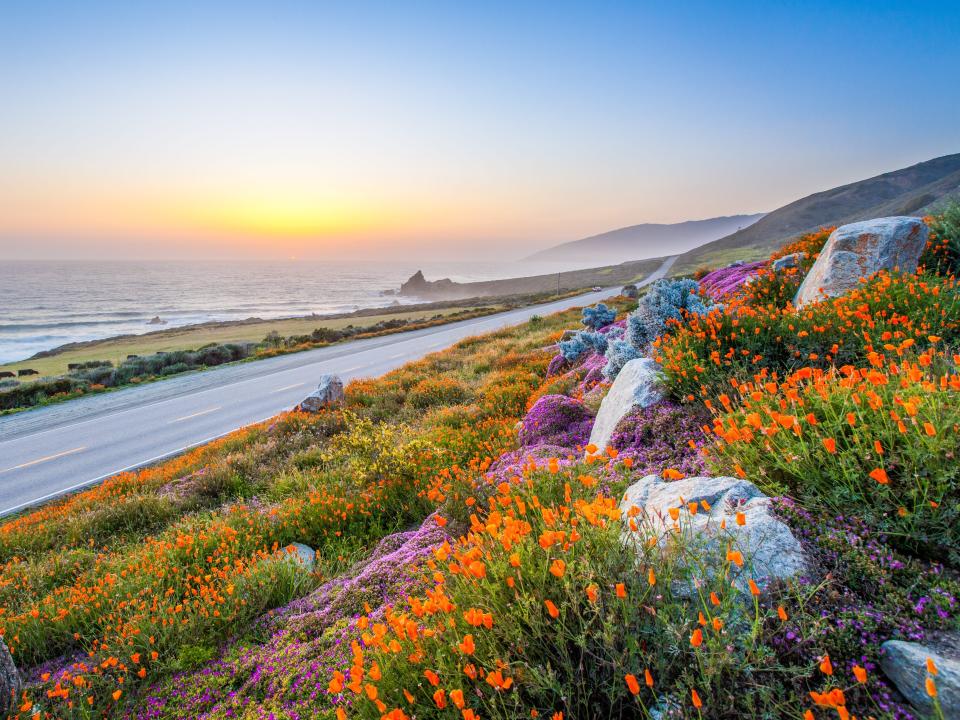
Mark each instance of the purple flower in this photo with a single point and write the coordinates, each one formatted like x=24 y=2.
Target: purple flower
x=720 y=283
x=557 y=420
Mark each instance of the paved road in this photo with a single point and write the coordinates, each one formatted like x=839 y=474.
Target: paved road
x=56 y=449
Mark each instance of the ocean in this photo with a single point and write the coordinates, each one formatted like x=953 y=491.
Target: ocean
x=45 y=304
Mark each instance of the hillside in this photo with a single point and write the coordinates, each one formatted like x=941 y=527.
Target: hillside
x=915 y=190
x=645 y=240
x=765 y=525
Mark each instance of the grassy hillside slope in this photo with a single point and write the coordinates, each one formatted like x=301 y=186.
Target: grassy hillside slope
x=916 y=190
x=470 y=546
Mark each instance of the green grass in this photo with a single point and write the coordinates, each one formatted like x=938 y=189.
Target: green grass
x=196 y=336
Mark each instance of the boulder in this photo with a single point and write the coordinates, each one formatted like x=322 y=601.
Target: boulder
x=905 y=663
x=788 y=261
x=630 y=291
x=10 y=683
x=302 y=554
x=859 y=250
x=329 y=392
x=769 y=549
x=638 y=384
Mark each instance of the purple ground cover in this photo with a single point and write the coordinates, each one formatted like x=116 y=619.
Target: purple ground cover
x=285 y=674
x=557 y=420
x=720 y=283
x=660 y=437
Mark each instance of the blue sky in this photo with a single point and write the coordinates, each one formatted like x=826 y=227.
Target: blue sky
x=269 y=129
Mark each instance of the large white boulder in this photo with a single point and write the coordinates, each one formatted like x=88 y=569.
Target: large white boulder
x=639 y=384
x=859 y=250
x=905 y=663
x=769 y=549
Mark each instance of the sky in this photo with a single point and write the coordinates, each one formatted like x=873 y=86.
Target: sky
x=167 y=130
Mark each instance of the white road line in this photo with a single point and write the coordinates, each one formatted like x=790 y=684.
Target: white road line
x=196 y=414
x=45 y=459
x=134 y=466
x=288 y=387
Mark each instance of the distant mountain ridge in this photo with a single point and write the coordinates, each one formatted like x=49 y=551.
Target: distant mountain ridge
x=917 y=190
x=645 y=240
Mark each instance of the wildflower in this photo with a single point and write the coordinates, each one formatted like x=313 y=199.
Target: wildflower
x=672 y=474
x=456 y=697
x=929 y=429
x=695 y=698
x=696 y=639
x=552 y=609
x=736 y=557
x=781 y=613
x=830 y=444
x=498 y=681
x=825 y=665
x=592 y=593
x=632 y=684
x=467 y=645
x=621 y=590
x=651 y=577
x=648 y=678
x=754 y=590
x=880 y=475
x=860 y=674
x=440 y=698
x=931 y=687
x=931 y=666
x=558 y=567
x=741 y=519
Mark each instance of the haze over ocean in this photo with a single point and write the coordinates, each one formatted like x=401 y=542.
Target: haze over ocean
x=44 y=304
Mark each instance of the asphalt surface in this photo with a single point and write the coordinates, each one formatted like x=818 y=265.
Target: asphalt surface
x=60 y=448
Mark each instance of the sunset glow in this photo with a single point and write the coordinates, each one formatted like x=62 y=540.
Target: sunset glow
x=265 y=131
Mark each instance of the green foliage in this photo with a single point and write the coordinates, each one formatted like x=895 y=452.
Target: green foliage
x=880 y=442
x=943 y=255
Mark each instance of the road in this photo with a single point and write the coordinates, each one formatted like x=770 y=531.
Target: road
x=61 y=448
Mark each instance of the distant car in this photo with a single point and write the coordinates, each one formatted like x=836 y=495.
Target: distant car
x=596 y=288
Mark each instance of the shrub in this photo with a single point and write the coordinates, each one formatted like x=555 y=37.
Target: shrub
x=582 y=343
x=662 y=436
x=889 y=313
x=557 y=420
x=880 y=442
x=598 y=316
x=943 y=252
x=725 y=281
x=777 y=288
x=619 y=353
x=433 y=391
x=36 y=392
x=542 y=610
x=667 y=300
